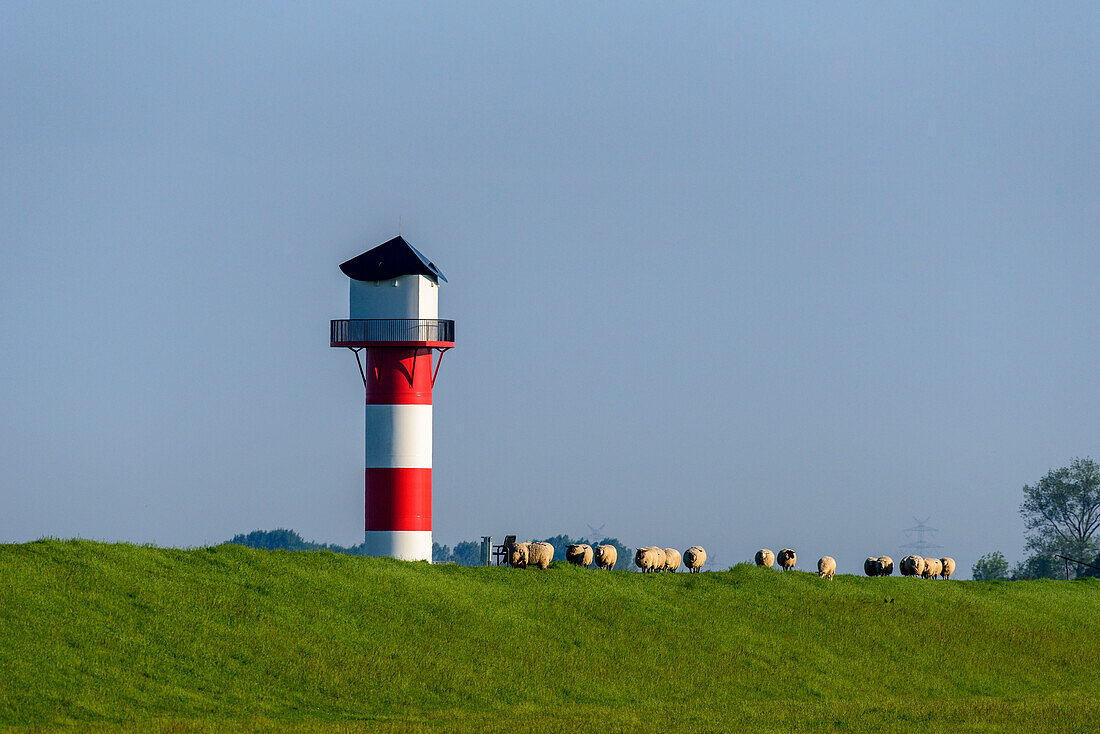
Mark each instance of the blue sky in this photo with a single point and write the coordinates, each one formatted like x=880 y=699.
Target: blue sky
x=739 y=276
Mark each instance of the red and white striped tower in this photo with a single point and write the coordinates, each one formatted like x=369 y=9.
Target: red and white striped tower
x=394 y=331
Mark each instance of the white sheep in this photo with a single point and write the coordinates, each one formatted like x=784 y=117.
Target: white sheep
x=540 y=554
x=606 y=557
x=948 y=567
x=579 y=554
x=649 y=558
x=672 y=559
x=518 y=554
x=765 y=558
x=932 y=568
x=658 y=558
x=826 y=567
x=885 y=565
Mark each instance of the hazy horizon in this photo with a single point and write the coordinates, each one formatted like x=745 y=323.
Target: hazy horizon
x=741 y=276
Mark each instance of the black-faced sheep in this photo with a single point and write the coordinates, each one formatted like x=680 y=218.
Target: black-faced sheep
x=694 y=558
x=786 y=559
x=765 y=558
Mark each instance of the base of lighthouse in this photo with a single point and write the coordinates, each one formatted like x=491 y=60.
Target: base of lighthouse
x=405 y=545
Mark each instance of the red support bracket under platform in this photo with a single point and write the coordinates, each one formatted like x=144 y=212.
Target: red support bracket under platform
x=438 y=364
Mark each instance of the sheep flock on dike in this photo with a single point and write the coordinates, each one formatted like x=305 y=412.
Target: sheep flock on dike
x=653 y=559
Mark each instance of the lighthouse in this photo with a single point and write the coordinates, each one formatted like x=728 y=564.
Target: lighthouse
x=398 y=341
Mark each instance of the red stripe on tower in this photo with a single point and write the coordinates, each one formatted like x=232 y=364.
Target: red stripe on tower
x=399 y=499
x=399 y=376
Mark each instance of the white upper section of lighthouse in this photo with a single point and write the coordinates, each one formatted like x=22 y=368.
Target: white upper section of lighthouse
x=403 y=297
x=393 y=281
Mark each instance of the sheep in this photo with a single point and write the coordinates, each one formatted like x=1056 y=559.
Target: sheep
x=672 y=559
x=948 y=567
x=649 y=558
x=765 y=558
x=658 y=558
x=912 y=566
x=518 y=554
x=694 y=558
x=579 y=554
x=540 y=554
x=932 y=568
x=885 y=565
x=606 y=557
x=786 y=559
x=871 y=567
x=826 y=567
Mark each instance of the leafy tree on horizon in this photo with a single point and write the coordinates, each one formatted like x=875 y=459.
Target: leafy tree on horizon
x=467 y=553
x=990 y=567
x=1062 y=514
x=278 y=539
x=441 y=553
x=1038 y=566
x=1091 y=572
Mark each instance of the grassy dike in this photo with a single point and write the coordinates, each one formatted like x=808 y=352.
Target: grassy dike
x=118 y=637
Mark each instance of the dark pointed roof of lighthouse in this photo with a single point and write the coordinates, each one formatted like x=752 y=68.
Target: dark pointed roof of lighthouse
x=391 y=259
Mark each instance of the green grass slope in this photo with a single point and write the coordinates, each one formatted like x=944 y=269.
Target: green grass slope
x=118 y=637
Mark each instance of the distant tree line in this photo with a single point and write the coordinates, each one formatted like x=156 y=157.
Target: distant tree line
x=466 y=553
x=1062 y=514
x=283 y=539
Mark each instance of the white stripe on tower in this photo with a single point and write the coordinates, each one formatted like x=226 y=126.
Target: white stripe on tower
x=399 y=436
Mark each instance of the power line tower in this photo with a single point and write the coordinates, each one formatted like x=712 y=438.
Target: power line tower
x=924 y=535
x=597 y=533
